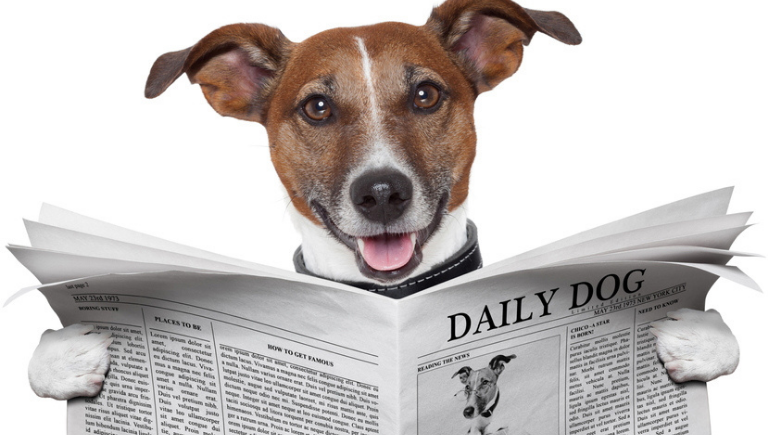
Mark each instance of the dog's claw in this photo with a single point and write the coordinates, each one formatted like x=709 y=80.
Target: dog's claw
x=695 y=345
x=70 y=362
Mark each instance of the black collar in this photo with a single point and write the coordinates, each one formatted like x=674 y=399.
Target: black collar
x=466 y=260
x=489 y=411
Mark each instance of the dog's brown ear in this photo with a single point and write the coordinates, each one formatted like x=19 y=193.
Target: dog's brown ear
x=498 y=362
x=463 y=371
x=236 y=66
x=488 y=35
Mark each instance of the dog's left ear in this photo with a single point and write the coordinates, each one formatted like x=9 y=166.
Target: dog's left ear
x=498 y=362
x=488 y=35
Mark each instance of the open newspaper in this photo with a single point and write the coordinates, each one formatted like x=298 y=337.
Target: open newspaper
x=206 y=344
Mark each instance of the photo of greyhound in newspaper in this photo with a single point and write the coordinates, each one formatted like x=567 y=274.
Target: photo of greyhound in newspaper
x=500 y=394
x=483 y=392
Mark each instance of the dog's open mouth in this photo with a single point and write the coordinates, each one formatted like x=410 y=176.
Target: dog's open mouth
x=387 y=252
x=387 y=256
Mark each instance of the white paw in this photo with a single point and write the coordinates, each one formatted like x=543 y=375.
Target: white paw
x=695 y=345
x=70 y=362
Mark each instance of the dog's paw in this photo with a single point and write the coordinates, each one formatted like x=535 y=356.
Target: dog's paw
x=695 y=345
x=70 y=362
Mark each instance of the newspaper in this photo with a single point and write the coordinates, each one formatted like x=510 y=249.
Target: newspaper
x=206 y=344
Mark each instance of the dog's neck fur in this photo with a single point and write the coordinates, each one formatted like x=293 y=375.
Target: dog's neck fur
x=326 y=257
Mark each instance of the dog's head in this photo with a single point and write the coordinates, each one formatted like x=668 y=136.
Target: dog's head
x=370 y=128
x=480 y=386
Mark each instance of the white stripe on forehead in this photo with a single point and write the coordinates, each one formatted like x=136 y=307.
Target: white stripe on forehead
x=373 y=103
x=379 y=153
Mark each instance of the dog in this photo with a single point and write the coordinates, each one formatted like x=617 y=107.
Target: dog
x=371 y=133
x=482 y=392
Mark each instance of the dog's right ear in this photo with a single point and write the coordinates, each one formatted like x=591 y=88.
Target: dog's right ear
x=236 y=66
x=498 y=362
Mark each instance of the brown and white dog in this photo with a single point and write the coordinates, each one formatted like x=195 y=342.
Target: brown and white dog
x=371 y=133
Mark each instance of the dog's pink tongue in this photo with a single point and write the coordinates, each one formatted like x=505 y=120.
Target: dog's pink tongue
x=388 y=251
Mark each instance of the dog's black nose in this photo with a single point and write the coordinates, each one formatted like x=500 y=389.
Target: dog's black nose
x=469 y=412
x=382 y=195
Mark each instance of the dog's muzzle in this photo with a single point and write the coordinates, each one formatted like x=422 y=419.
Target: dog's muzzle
x=382 y=196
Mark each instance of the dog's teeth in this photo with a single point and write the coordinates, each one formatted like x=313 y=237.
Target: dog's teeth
x=360 y=244
x=413 y=238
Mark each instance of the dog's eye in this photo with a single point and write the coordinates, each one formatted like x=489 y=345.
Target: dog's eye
x=317 y=108
x=427 y=96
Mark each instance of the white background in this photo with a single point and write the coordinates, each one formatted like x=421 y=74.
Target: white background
x=662 y=100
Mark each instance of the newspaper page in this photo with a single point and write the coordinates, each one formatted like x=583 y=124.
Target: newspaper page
x=205 y=353
x=578 y=354
x=205 y=344
x=214 y=353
